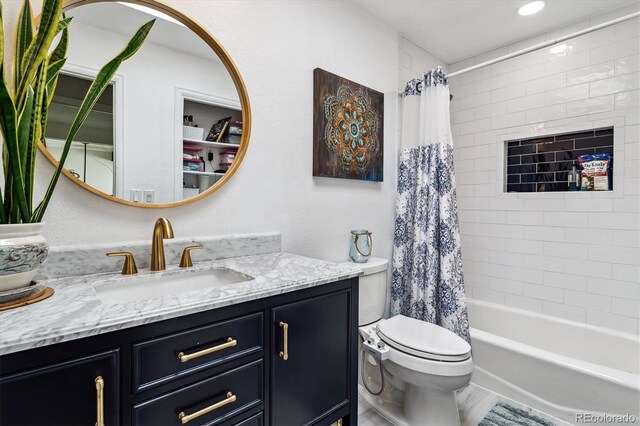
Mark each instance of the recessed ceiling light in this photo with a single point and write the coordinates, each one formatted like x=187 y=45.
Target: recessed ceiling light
x=531 y=8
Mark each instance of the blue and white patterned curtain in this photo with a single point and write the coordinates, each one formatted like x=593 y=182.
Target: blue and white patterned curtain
x=427 y=281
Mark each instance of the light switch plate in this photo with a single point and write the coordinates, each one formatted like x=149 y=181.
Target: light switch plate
x=149 y=196
x=136 y=195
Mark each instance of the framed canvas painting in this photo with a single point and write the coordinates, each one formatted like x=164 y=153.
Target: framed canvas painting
x=347 y=129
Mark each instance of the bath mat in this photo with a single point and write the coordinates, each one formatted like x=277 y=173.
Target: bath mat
x=503 y=414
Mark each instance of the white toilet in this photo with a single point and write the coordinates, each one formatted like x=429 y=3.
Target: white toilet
x=426 y=363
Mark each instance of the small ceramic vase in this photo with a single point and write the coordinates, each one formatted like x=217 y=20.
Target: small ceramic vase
x=22 y=250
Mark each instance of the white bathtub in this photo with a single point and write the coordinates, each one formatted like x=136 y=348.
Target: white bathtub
x=556 y=366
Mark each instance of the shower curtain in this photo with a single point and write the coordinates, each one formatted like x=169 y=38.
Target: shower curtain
x=427 y=280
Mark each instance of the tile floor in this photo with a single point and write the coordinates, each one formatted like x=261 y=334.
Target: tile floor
x=474 y=403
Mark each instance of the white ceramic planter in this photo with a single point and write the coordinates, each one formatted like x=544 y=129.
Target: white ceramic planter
x=22 y=250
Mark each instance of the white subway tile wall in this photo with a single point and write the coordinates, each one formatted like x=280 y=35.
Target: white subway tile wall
x=570 y=255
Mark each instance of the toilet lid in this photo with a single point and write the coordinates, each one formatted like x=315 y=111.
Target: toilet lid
x=423 y=339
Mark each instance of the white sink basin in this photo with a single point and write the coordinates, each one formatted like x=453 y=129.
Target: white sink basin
x=152 y=286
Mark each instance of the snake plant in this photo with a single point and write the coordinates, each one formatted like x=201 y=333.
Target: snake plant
x=24 y=104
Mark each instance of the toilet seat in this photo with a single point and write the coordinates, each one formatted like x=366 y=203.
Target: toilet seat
x=423 y=340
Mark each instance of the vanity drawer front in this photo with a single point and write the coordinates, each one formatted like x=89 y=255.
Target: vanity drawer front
x=157 y=361
x=211 y=401
x=255 y=420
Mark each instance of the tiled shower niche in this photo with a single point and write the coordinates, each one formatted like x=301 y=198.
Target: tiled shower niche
x=542 y=164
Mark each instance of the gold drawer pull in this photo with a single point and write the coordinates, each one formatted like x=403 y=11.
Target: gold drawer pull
x=184 y=418
x=100 y=400
x=284 y=353
x=186 y=357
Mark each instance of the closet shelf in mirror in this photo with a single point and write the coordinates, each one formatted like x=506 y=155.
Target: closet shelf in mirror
x=193 y=172
x=211 y=144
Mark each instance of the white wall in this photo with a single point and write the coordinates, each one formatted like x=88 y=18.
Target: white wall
x=276 y=45
x=571 y=255
x=413 y=61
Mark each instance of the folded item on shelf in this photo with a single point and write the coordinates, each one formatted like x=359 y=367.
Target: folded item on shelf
x=233 y=138
x=235 y=127
x=193 y=166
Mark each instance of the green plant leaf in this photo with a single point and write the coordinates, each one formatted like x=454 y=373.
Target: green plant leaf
x=60 y=51
x=3 y=216
x=54 y=69
x=39 y=47
x=58 y=54
x=24 y=127
x=44 y=113
x=5 y=152
x=8 y=123
x=24 y=36
x=96 y=89
x=1 y=37
x=63 y=23
x=35 y=132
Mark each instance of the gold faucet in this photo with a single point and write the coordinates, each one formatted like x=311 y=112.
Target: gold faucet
x=161 y=230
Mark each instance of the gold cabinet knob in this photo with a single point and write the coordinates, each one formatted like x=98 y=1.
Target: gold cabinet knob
x=186 y=262
x=129 y=267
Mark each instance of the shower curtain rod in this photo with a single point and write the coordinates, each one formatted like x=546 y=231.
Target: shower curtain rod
x=544 y=44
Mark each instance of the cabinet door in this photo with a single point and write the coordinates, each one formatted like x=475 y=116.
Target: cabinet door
x=62 y=394
x=314 y=379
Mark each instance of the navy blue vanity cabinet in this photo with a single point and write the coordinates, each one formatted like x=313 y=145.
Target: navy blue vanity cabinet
x=75 y=392
x=235 y=365
x=311 y=360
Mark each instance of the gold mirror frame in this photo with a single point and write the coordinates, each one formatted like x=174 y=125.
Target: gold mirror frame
x=237 y=81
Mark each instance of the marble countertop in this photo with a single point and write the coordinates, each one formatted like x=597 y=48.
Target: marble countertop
x=76 y=311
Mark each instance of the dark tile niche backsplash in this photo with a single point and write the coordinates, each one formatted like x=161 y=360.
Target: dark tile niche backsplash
x=542 y=164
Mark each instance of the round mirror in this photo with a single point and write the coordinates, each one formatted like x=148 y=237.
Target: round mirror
x=173 y=125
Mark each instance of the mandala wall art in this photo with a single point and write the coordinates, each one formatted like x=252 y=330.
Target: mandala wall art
x=347 y=128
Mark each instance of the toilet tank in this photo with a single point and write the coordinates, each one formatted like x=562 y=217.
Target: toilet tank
x=372 y=290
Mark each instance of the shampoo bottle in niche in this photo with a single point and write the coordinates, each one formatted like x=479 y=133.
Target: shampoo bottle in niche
x=572 y=179
x=361 y=245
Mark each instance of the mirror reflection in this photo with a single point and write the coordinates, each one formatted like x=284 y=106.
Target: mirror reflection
x=170 y=124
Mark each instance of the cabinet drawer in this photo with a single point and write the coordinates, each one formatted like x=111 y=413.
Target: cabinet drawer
x=209 y=402
x=157 y=361
x=255 y=420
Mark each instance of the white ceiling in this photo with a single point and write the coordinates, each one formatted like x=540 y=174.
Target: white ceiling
x=454 y=30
